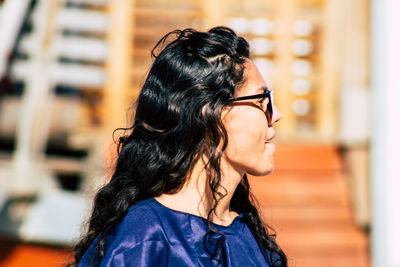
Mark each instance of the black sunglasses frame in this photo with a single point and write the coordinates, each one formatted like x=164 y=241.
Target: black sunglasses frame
x=268 y=94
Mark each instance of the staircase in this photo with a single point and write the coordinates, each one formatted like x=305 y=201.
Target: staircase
x=306 y=201
x=58 y=56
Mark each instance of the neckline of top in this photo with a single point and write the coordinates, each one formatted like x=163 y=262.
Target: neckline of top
x=218 y=226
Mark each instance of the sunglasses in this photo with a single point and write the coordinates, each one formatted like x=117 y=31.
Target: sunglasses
x=269 y=109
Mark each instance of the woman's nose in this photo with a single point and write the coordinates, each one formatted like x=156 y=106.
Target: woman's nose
x=276 y=115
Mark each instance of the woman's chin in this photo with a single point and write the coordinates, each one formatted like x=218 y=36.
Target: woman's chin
x=270 y=147
x=262 y=171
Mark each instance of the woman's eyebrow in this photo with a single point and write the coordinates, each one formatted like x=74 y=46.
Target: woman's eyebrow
x=262 y=89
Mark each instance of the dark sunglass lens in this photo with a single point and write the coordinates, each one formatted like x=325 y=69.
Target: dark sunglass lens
x=269 y=110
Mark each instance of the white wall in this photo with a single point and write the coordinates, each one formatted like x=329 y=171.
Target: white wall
x=385 y=156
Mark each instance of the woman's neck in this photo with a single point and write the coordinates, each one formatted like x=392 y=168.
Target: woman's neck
x=196 y=198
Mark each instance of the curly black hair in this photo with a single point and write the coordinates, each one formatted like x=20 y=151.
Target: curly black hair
x=178 y=120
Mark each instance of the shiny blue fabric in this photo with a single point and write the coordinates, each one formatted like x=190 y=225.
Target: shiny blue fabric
x=154 y=235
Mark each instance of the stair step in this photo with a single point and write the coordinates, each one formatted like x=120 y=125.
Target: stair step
x=307 y=214
x=71 y=74
x=323 y=243
x=307 y=157
x=301 y=189
x=82 y=20
x=330 y=261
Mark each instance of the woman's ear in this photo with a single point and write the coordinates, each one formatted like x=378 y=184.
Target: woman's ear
x=226 y=112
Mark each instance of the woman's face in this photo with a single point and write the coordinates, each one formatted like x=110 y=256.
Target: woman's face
x=250 y=148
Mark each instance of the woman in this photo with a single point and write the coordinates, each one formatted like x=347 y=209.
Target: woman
x=179 y=195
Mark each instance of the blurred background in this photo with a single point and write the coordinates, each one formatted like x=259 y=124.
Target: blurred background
x=70 y=71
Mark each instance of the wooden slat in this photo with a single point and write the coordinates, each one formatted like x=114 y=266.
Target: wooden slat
x=287 y=127
x=166 y=12
x=331 y=70
x=150 y=32
x=118 y=80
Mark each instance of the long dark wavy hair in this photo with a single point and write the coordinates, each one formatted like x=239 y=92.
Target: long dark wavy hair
x=177 y=122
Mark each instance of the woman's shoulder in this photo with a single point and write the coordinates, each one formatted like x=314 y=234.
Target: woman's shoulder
x=138 y=234
x=142 y=211
x=141 y=223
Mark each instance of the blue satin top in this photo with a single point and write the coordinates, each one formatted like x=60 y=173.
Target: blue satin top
x=153 y=235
